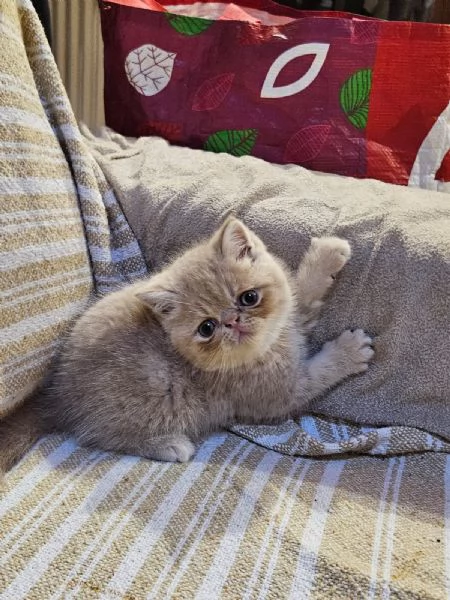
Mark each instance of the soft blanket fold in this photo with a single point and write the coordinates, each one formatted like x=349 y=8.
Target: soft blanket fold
x=397 y=285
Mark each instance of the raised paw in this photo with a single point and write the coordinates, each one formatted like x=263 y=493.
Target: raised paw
x=354 y=350
x=331 y=254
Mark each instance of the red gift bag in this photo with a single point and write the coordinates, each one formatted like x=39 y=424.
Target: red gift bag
x=333 y=92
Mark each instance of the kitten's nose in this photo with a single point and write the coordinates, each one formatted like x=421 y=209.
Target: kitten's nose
x=230 y=317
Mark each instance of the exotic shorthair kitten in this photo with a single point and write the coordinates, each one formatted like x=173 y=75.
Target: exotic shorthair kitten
x=216 y=338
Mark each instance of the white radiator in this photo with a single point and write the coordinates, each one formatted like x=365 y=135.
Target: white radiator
x=78 y=49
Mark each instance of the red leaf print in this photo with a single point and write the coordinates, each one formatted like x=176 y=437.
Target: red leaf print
x=212 y=92
x=172 y=132
x=306 y=144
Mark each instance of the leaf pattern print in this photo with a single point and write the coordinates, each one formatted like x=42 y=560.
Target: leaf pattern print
x=237 y=142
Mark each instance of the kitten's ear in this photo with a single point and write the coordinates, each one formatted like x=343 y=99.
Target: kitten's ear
x=160 y=300
x=234 y=239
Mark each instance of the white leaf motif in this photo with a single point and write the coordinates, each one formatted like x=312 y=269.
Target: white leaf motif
x=149 y=69
x=268 y=89
x=431 y=154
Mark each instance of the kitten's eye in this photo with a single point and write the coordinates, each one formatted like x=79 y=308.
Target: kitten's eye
x=249 y=298
x=207 y=328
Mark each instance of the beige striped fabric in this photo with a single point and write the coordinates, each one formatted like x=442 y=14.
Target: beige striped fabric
x=239 y=522
x=59 y=221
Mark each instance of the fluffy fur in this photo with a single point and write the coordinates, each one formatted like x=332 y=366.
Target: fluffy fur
x=137 y=376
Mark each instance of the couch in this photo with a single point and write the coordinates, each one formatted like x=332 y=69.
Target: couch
x=248 y=517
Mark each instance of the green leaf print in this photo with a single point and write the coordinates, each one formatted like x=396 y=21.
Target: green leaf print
x=354 y=97
x=237 y=142
x=188 y=25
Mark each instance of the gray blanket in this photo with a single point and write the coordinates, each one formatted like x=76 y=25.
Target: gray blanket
x=396 y=286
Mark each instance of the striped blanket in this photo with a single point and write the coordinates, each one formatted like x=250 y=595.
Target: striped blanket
x=239 y=521
x=50 y=260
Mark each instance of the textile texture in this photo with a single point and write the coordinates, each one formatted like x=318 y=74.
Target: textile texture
x=239 y=522
x=396 y=286
x=329 y=91
x=51 y=259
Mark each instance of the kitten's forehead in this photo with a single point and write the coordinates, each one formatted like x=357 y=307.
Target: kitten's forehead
x=210 y=282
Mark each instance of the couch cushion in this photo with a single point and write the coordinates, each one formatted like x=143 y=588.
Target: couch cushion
x=62 y=231
x=45 y=276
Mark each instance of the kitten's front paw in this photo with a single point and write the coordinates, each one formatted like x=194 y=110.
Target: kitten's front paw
x=178 y=449
x=355 y=351
x=332 y=254
x=181 y=451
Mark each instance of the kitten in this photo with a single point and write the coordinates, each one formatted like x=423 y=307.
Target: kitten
x=216 y=338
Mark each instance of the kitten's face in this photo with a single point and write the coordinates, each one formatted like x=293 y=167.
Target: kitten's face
x=224 y=303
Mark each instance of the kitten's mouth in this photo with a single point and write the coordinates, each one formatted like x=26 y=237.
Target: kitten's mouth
x=241 y=335
x=240 y=332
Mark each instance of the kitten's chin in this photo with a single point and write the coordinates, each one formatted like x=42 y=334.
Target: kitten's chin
x=245 y=351
x=241 y=355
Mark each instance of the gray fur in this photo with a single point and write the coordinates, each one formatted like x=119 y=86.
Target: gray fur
x=136 y=377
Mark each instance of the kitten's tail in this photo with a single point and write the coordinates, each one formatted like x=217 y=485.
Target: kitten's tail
x=18 y=432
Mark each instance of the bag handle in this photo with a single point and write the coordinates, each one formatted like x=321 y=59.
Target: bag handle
x=262 y=5
x=431 y=154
